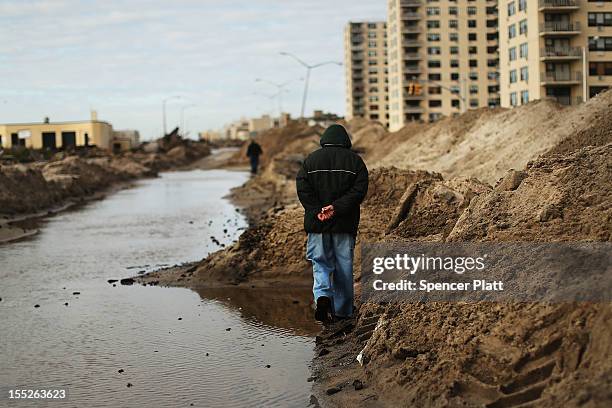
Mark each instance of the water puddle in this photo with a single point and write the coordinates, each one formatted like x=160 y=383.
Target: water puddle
x=174 y=347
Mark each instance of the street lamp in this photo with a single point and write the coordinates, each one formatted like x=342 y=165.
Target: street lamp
x=281 y=89
x=309 y=68
x=164 y=109
x=182 y=123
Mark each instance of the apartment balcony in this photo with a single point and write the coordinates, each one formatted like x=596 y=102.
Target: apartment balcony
x=413 y=109
x=559 y=29
x=556 y=78
x=411 y=29
x=412 y=56
x=412 y=69
x=411 y=43
x=566 y=100
x=560 y=53
x=410 y=15
x=559 y=5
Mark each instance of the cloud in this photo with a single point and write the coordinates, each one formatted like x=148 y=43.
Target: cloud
x=123 y=57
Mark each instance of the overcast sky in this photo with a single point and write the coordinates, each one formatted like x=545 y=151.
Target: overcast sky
x=61 y=58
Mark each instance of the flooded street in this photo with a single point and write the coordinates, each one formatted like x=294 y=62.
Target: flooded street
x=174 y=347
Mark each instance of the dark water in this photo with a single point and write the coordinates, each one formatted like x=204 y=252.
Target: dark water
x=81 y=347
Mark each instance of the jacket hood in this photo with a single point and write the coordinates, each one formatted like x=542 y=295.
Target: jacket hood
x=336 y=135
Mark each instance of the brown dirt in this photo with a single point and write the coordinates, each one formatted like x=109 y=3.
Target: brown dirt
x=539 y=172
x=35 y=189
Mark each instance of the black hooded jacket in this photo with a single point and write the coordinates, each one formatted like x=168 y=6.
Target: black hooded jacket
x=333 y=175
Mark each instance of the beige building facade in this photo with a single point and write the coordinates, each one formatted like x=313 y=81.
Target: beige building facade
x=559 y=49
x=365 y=45
x=443 y=58
x=56 y=135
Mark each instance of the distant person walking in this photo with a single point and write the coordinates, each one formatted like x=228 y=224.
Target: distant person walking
x=331 y=184
x=253 y=153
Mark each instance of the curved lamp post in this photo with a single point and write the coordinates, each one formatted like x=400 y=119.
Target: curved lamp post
x=309 y=67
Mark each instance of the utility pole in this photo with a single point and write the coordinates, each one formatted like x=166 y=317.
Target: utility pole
x=309 y=68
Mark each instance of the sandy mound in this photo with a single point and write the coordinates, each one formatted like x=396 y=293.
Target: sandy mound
x=557 y=198
x=486 y=143
x=24 y=189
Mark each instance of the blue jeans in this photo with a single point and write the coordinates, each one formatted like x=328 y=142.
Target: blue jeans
x=254 y=163
x=332 y=266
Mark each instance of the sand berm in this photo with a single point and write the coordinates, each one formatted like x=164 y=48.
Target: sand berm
x=539 y=172
x=29 y=190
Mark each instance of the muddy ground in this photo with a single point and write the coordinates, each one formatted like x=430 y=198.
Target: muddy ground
x=540 y=172
x=46 y=187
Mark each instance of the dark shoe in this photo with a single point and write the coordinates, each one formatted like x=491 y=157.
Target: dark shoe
x=323 y=309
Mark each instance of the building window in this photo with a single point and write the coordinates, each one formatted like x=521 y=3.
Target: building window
x=433 y=11
x=473 y=49
x=453 y=11
x=600 y=68
x=523 y=27
x=454 y=76
x=471 y=11
x=511 y=31
x=472 y=37
x=512 y=54
x=471 y=23
x=473 y=76
x=524 y=97
x=473 y=63
x=522 y=5
x=511 y=9
x=433 y=24
x=454 y=63
x=523 y=50
x=435 y=77
x=600 y=19
x=600 y=43
x=435 y=103
x=525 y=74
x=513 y=99
x=433 y=37
x=474 y=103
x=453 y=24
x=453 y=37
x=372 y=44
x=372 y=34
x=473 y=89
x=433 y=50
x=513 y=76
x=454 y=50
x=434 y=64
x=455 y=103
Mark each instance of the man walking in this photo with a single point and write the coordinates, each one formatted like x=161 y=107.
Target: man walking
x=253 y=153
x=331 y=184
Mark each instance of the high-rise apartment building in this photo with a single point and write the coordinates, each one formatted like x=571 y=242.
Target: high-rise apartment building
x=449 y=48
x=560 y=49
x=366 y=70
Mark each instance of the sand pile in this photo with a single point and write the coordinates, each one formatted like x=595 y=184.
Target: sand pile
x=24 y=189
x=486 y=143
x=556 y=198
x=489 y=354
x=33 y=187
x=273 y=142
